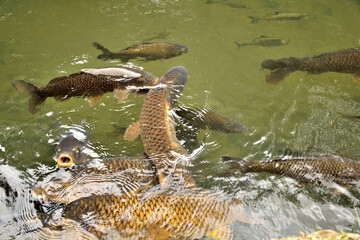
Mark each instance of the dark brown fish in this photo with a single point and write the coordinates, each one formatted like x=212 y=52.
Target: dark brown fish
x=157 y=128
x=190 y=214
x=342 y=61
x=146 y=50
x=324 y=170
x=98 y=177
x=89 y=83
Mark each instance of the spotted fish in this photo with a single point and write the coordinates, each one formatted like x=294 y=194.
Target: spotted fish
x=89 y=83
x=157 y=128
x=146 y=50
x=342 y=61
x=324 y=170
x=98 y=177
x=189 y=214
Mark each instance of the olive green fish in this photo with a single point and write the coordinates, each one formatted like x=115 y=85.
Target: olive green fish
x=264 y=41
x=89 y=83
x=342 y=61
x=127 y=175
x=146 y=50
x=325 y=170
x=279 y=16
x=230 y=3
x=157 y=129
x=190 y=214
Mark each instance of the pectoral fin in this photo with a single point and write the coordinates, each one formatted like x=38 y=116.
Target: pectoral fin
x=94 y=100
x=223 y=233
x=120 y=95
x=277 y=75
x=132 y=132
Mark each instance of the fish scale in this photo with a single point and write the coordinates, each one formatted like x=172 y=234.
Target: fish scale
x=183 y=216
x=157 y=128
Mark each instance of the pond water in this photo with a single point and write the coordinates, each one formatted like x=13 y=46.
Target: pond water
x=41 y=40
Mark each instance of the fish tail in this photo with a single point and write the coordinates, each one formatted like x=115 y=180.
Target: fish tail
x=236 y=165
x=277 y=75
x=106 y=52
x=254 y=19
x=30 y=90
x=239 y=44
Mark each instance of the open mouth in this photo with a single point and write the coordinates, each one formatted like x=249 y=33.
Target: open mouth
x=65 y=161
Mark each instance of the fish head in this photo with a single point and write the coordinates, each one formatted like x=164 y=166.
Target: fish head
x=71 y=151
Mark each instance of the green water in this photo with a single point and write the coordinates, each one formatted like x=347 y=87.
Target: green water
x=41 y=40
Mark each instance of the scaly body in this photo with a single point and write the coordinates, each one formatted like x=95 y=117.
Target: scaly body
x=98 y=177
x=147 y=50
x=342 y=61
x=314 y=170
x=170 y=215
x=157 y=127
x=89 y=83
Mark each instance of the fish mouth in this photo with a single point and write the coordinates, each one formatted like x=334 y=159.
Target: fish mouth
x=65 y=160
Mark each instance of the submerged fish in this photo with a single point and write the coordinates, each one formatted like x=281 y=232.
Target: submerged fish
x=98 y=177
x=89 y=83
x=157 y=128
x=189 y=214
x=264 y=41
x=230 y=3
x=74 y=147
x=147 y=50
x=342 y=61
x=278 y=16
x=324 y=170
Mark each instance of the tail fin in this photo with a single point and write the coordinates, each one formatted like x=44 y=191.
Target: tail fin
x=31 y=91
x=106 y=52
x=239 y=45
x=254 y=19
x=236 y=165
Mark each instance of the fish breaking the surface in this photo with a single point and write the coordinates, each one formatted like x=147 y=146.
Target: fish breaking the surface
x=324 y=170
x=74 y=147
x=146 y=50
x=188 y=214
x=342 y=61
x=278 y=16
x=264 y=41
x=89 y=82
x=157 y=129
x=98 y=177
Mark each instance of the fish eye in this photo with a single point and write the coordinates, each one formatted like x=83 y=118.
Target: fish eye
x=58 y=150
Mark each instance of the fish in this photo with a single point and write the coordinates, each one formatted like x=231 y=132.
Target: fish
x=145 y=50
x=197 y=118
x=74 y=147
x=161 y=35
x=264 y=41
x=125 y=175
x=341 y=61
x=230 y=3
x=319 y=170
x=157 y=129
x=91 y=83
x=189 y=214
x=278 y=16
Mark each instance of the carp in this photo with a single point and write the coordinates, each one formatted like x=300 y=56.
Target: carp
x=157 y=129
x=264 y=41
x=127 y=175
x=91 y=83
x=342 y=61
x=279 y=16
x=230 y=3
x=325 y=170
x=74 y=147
x=146 y=50
x=189 y=214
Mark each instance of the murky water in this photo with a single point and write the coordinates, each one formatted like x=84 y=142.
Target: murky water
x=41 y=40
